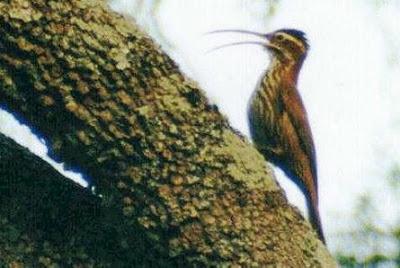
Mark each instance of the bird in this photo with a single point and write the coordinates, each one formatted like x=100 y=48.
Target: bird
x=277 y=117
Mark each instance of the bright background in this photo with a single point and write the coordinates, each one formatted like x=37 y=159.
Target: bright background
x=349 y=84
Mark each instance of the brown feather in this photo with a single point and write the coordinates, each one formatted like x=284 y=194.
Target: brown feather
x=279 y=126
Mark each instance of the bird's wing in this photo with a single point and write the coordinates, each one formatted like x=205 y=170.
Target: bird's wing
x=294 y=107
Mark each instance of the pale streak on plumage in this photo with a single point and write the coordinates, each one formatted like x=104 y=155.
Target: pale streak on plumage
x=294 y=40
x=262 y=108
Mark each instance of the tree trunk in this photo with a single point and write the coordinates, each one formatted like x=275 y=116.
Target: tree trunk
x=175 y=185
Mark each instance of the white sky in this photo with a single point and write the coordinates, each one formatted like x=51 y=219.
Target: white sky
x=348 y=84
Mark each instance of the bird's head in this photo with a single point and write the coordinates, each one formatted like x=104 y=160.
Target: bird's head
x=285 y=44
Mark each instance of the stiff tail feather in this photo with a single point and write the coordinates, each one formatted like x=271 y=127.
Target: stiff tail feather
x=314 y=217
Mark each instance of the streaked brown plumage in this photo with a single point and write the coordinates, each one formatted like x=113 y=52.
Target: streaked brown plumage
x=278 y=121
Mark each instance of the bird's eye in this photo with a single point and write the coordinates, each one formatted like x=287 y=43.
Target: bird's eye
x=279 y=37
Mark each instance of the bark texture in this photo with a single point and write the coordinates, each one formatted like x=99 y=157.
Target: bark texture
x=47 y=220
x=183 y=187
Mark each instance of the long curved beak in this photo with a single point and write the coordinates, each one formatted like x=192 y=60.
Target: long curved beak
x=262 y=35
x=238 y=44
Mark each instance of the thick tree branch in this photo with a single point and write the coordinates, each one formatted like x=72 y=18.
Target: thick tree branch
x=48 y=220
x=113 y=104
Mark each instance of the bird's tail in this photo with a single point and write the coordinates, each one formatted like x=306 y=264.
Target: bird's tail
x=315 y=220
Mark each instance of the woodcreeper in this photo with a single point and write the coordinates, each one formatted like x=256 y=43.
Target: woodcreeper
x=277 y=118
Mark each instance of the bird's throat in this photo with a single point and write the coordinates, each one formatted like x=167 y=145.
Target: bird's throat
x=284 y=72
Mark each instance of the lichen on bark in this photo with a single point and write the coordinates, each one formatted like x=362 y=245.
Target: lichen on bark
x=110 y=102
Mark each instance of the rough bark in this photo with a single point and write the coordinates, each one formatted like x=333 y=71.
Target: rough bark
x=186 y=188
x=47 y=220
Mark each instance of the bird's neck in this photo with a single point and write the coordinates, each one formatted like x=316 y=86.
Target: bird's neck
x=283 y=72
